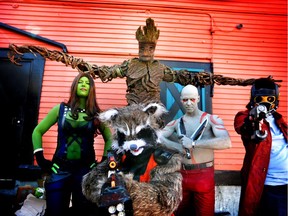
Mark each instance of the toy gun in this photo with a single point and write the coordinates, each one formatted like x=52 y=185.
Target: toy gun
x=195 y=136
x=114 y=198
x=256 y=115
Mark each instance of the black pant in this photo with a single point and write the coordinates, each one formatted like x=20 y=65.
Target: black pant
x=59 y=188
x=274 y=201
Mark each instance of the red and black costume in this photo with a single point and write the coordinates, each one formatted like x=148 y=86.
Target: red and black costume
x=258 y=154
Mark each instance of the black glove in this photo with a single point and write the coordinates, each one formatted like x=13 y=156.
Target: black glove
x=248 y=126
x=258 y=113
x=45 y=164
x=103 y=158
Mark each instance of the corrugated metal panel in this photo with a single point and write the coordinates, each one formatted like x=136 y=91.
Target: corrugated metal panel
x=103 y=33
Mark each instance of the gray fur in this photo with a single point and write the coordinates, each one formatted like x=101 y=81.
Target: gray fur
x=162 y=195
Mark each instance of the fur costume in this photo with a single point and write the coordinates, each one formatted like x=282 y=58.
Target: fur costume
x=150 y=174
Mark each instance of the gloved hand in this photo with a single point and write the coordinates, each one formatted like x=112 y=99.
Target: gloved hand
x=257 y=113
x=249 y=126
x=45 y=164
x=103 y=158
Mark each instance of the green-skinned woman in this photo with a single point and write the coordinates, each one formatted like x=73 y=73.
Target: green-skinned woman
x=78 y=125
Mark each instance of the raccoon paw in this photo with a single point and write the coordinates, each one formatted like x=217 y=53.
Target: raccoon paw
x=92 y=184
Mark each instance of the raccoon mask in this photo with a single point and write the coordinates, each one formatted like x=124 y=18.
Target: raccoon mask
x=135 y=127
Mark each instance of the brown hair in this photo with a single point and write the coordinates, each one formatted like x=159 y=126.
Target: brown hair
x=92 y=108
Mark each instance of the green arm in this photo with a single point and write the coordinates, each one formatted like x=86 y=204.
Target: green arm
x=107 y=136
x=50 y=119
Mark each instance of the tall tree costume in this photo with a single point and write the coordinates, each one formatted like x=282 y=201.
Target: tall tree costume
x=78 y=124
x=143 y=74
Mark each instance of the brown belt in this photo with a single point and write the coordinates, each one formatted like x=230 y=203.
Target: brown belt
x=197 y=166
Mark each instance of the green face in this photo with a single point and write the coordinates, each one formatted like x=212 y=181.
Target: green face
x=83 y=87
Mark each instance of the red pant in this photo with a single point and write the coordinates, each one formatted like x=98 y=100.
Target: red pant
x=198 y=193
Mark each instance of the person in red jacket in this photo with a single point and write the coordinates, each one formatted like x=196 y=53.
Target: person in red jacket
x=264 y=175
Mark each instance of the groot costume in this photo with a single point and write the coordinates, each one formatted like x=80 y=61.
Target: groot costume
x=143 y=78
x=143 y=74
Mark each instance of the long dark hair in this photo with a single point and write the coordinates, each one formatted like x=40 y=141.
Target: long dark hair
x=92 y=108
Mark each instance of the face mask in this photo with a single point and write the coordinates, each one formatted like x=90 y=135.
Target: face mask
x=267 y=101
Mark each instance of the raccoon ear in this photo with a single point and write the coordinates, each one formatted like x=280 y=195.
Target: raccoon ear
x=108 y=115
x=155 y=109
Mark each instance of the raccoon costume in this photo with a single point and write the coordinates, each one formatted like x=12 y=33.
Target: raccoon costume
x=150 y=174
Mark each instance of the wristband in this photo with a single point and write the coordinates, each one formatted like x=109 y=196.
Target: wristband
x=37 y=150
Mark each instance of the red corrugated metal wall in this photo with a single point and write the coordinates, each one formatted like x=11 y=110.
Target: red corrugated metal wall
x=103 y=32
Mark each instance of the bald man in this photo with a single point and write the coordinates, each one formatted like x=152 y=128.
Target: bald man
x=198 y=155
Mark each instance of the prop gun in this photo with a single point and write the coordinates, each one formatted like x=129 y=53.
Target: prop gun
x=114 y=198
x=257 y=114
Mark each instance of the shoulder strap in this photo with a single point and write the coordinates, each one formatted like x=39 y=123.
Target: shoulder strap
x=61 y=114
x=203 y=116
x=182 y=127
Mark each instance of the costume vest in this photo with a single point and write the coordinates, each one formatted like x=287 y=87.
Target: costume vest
x=83 y=134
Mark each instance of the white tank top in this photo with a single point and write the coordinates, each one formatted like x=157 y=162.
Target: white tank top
x=278 y=166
